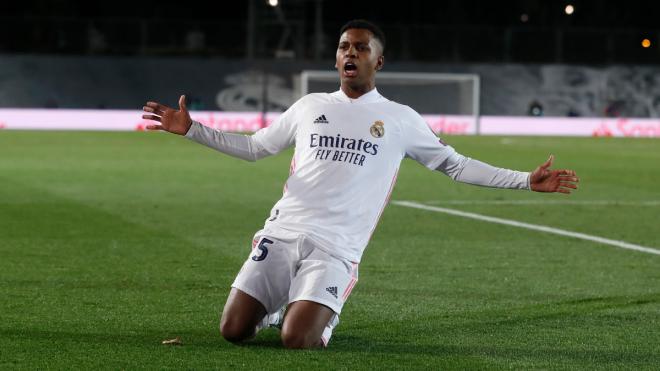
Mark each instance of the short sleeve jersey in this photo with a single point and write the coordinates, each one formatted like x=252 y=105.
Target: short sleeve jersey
x=347 y=156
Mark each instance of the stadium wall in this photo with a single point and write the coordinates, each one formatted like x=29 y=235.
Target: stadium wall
x=88 y=82
x=126 y=120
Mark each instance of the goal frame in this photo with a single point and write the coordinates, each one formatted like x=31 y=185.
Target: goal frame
x=331 y=76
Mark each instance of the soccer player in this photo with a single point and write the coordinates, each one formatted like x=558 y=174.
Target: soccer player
x=348 y=148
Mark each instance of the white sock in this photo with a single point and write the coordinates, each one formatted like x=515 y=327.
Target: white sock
x=272 y=320
x=262 y=324
x=276 y=319
x=327 y=331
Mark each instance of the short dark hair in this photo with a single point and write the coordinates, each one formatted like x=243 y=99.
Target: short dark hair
x=365 y=25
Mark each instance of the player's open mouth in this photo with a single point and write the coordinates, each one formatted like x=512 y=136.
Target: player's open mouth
x=350 y=69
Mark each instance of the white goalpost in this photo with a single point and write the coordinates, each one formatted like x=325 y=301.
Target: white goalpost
x=452 y=94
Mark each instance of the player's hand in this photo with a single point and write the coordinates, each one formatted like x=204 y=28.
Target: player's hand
x=543 y=179
x=177 y=122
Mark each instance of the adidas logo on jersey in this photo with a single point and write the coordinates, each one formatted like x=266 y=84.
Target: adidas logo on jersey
x=321 y=120
x=332 y=290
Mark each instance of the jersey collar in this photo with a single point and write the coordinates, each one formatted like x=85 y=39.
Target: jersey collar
x=371 y=97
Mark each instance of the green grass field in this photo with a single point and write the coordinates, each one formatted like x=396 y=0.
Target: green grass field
x=112 y=242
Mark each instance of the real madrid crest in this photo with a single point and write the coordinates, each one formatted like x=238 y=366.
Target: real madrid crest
x=377 y=129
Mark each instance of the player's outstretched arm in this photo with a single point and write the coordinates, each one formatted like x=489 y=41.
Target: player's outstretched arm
x=543 y=179
x=177 y=122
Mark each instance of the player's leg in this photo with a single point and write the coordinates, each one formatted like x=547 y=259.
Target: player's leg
x=304 y=324
x=240 y=317
x=261 y=287
x=319 y=289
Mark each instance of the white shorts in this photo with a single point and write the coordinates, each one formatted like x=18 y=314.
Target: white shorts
x=281 y=271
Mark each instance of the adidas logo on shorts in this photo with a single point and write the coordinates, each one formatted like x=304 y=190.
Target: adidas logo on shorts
x=321 y=120
x=332 y=290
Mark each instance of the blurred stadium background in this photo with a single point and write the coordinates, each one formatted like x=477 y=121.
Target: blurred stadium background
x=113 y=241
x=551 y=58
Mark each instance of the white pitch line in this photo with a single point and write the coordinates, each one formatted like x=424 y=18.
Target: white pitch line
x=546 y=202
x=541 y=228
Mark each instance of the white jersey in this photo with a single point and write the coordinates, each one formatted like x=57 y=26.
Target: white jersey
x=347 y=155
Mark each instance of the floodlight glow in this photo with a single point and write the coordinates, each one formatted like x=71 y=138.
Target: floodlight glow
x=646 y=43
x=273 y=3
x=569 y=9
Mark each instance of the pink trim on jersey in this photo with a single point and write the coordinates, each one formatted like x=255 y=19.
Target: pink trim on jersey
x=351 y=284
x=387 y=200
x=254 y=243
x=292 y=169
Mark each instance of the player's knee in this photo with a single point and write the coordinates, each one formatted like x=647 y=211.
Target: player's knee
x=299 y=340
x=234 y=332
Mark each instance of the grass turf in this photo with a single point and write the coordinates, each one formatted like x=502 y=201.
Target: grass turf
x=112 y=242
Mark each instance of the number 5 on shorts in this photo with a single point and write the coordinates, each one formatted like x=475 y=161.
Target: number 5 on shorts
x=263 y=250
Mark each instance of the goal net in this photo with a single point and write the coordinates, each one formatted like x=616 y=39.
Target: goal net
x=439 y=97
